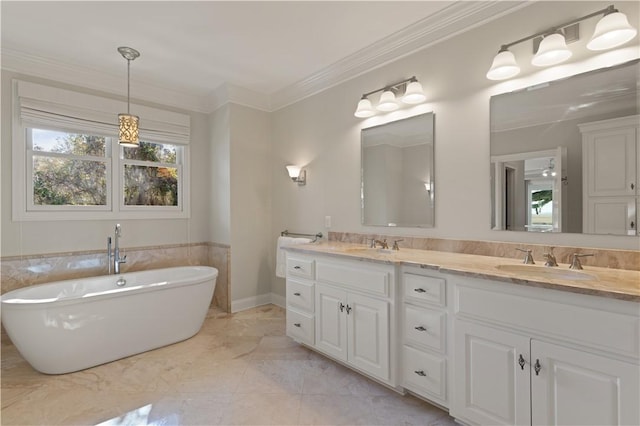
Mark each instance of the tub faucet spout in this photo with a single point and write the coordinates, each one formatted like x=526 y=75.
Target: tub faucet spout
x=117 y=259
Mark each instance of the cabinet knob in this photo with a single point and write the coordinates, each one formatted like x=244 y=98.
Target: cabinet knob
x=633 y=186
x=420 y=373
x=296 y=294
x=348 y=308
x=420 y=328
x=419 y=290
x=537 y=367
x=521 y=361
x=633 y=225
x=341 y=307
x=297 y=324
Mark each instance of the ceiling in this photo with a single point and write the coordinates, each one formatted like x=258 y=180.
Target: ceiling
x=199 y=54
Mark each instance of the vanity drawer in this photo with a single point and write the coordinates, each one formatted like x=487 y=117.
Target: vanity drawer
x=424 y=373
x=301 y=327
x=425 y=327
x=300 y=295
x=300 y=267
x=366 y=277
x=424 y=289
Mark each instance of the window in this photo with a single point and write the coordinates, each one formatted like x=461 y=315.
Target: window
x=67 y=163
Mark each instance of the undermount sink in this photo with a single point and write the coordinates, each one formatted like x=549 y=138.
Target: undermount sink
x=545 y=272
x=367 y=250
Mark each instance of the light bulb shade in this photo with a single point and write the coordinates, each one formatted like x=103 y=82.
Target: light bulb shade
x=128 y=130
x=611 y=31
x=364 y=109
x=387 y=102
x=504 y=66
x=294 y=171
x=414 y=94
x=552 y=50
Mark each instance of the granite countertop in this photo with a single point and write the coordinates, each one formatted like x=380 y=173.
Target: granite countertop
x=612 y=283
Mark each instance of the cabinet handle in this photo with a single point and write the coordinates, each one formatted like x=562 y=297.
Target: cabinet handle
x=537 y=367
x=297 y=267
x=297 y=324
x=419 y=290
x=633 y=225
x=633 y=186
x=420 y=328
x=348 y=308
x=420 y=373
x=341 y=307
x=521 y=361
x=296 y=294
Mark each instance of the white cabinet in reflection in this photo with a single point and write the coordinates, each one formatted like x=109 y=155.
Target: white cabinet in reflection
x=611 y=160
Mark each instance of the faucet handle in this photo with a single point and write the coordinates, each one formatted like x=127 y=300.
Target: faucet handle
x=528 y=259
x=395 y=244
x=551 y=259
x=575 y=261
x=372 y=244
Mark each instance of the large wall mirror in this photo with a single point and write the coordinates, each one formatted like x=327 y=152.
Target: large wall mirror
x=397 y=173
x=564 y=154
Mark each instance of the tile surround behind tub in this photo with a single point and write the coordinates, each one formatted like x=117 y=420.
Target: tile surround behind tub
x=605 y=258
x=22 y=271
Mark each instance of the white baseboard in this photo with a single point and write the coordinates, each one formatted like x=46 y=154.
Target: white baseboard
x=260 y=300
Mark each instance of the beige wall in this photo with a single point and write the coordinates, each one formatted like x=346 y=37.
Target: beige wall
x=219 y=176
x=322 y=133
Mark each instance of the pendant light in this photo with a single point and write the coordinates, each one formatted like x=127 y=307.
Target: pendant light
x=553 y=50
x=611 y=31
x=128 y=124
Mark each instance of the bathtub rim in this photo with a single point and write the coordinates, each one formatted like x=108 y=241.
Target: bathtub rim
x=9 y=300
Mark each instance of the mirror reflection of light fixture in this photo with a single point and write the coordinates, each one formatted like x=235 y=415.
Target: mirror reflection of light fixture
x=297 y=174
x=127 y=123
x=611 y=31
x=412 y=94
x=549 y=171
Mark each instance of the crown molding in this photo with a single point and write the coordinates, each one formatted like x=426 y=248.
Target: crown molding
x=96 y=79
x=448 y=22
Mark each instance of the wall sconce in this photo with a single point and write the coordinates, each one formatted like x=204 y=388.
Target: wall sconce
x=297 y=174
x=413 y=94
x=550 y=46
x=127 y=123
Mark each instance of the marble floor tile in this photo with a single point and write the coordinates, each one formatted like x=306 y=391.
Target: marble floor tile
x=240 y=369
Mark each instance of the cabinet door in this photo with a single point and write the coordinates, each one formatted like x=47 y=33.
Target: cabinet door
x=611 y=215
x=491 y=385
x=331 y=324
x=368 y=321
x=578 y=388
x=610 y=162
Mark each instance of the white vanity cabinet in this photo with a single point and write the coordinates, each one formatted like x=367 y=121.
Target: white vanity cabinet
x=610 y=177
x=353 y=312
x=543 y=357
x=424 y=332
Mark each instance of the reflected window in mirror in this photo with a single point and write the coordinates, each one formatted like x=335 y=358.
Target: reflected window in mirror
x=565 y=155
x=397 y=173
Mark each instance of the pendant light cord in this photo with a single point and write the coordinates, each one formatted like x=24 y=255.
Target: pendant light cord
x=128 y=84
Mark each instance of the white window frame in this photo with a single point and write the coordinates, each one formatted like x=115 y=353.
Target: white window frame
x=23 y=208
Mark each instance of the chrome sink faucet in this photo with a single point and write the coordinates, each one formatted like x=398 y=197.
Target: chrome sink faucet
x=383 y=244
x=528 y=259
x=551 y=259
x=575 y=261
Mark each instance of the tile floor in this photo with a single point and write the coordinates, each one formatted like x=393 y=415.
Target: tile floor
x=239 y=369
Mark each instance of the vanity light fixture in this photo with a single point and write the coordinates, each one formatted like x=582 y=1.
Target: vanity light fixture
x=412 y=94
x=128 y=124
x=611 y=31
x=297 y=174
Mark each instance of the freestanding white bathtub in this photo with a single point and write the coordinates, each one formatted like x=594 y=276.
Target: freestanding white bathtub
x=71 y=325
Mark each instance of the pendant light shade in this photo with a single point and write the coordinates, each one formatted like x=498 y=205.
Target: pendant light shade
x=364 y=108
x=387 y=102
x=504 y=66
x=552 y=50
x=127 y=123
x=611 y=31
x=414 y=94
